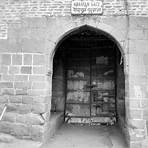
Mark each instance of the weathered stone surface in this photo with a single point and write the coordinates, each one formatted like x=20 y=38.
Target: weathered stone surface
x=6 y=127
x=27 y=59
x=39 y=85
x=22 y=85
x=10 y=117
x=6 y=138
x=6 y=59
x=30 y=119
x=4 y=99
x=21 y=91
x=17 y=59
x=20 y=130
x=37 y=132
x=39 y=108
x=39 y=70
x=38 y=60
x=6 y=85
x=26 y=70
x=41 y=99
x=137 y=124
x=27 y=100
x=21 y=77
x=19 y=108
x=37 y=78
x=15 y=99
x=14 y=70
x=8 y=91
x=135 y=114
x=9 y=78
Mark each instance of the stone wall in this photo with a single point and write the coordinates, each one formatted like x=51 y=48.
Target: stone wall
x=29 y=33
x=23 y=88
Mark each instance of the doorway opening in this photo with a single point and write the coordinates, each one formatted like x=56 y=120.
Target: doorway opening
x=88 y=84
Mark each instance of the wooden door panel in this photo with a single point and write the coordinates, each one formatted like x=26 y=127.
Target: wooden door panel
x=78 y=92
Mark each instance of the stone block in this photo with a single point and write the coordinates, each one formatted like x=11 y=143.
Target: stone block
x=4 y=69
x=30 y=119
x=6 y=127
x=8 y=77
x=39 y=60
x=41 y=99
x=137 y=34
x=39 y=70
x=135 y=114
x=144 y=103
x=134 y=103
x=21 y=91
x=17 y=59
x=4 y=99
x=6 y=59
x=10 y=117
x=39 y=85
x=39 y=108
x=22 y=85
x=33 y=45
x=20 y=130
x=15 y=99
x=27 y=100
x=27 y=59
x=137 y=134
x=137 y=124
x=6 y=138
x=38 y=92
x=138 y=46
x=7 y=91
x=26 y=70
x=36 y=78
x=6 y=85
x=21 y=78
x=145 y=114
x=37 y=132
x=14 y=70
x=19 y=108
x=135 y=145
x=145 y=59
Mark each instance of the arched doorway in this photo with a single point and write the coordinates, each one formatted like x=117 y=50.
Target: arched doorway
x=88 y=85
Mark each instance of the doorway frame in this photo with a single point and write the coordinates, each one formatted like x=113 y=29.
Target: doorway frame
x=116 y=36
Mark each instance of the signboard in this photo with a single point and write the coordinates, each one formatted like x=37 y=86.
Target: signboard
x=79 y=7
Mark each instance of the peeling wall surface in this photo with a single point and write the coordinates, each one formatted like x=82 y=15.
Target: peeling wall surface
x=29 y=33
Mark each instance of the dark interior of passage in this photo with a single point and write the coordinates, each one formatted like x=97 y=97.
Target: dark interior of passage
x=88 y=79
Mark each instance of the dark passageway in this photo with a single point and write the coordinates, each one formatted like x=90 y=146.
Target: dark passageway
x=88 y=85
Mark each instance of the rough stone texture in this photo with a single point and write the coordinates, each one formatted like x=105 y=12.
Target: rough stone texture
x=6 y=138
x=30 y=31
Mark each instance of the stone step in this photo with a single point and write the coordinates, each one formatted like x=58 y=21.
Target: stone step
x=5 y=138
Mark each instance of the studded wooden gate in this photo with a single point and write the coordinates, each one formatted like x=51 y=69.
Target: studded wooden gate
x=90 y=87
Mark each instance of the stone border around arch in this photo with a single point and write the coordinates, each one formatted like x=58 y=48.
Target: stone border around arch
x=60 y=28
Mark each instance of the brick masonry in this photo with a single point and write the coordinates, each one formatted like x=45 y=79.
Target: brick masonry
x=18 y=85
x=29 y=33
x=14 y=10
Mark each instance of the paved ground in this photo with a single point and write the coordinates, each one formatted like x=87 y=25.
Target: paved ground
x=70 y=136
x=74 y=136
x=20 y=144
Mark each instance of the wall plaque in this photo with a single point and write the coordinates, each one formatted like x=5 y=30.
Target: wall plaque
x=79 y=7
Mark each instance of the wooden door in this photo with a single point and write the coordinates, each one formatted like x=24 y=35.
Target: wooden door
x=90 y=87
x=103 y=103
x=78 y=90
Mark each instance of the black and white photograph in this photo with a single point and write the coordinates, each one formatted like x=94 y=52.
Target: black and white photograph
x=73 y=73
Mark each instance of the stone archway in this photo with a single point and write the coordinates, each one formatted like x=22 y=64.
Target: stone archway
x=116 y=36
x=64 y=27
